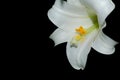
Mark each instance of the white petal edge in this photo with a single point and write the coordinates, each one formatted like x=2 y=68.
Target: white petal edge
x=102 y=8
x=103 y=44
x=69 y=17
x=59 y=36
x=77 y=57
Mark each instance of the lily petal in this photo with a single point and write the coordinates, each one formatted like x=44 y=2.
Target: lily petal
x=59 y=36
x=68 y=16
x=75 y=2
x=102 y=8
x=104 y=44
x=77 y=56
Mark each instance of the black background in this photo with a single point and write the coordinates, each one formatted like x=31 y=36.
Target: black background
x=98 y=66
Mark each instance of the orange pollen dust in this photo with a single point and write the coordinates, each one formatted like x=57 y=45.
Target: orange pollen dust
x=81 y=30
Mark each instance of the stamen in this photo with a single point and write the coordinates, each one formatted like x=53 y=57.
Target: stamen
x=81 y=30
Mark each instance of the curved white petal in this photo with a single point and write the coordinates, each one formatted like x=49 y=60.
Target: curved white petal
x=75 y=2
x=68 y=16
x=77 y=56
x=104 y=44
x=59 y=36
x=102 y=8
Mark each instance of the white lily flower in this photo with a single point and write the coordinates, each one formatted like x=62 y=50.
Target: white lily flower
x=80 y=24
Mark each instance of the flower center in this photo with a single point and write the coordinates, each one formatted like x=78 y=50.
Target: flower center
x=81 y=30
x=81 y=33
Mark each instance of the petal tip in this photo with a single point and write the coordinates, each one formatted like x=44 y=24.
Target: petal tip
x=78 y=67
x=55 y=43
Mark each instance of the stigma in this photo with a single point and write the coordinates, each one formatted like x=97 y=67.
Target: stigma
x=77 y=37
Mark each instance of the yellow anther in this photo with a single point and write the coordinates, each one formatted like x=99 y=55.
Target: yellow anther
x=81 y=30
x=77 y=37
